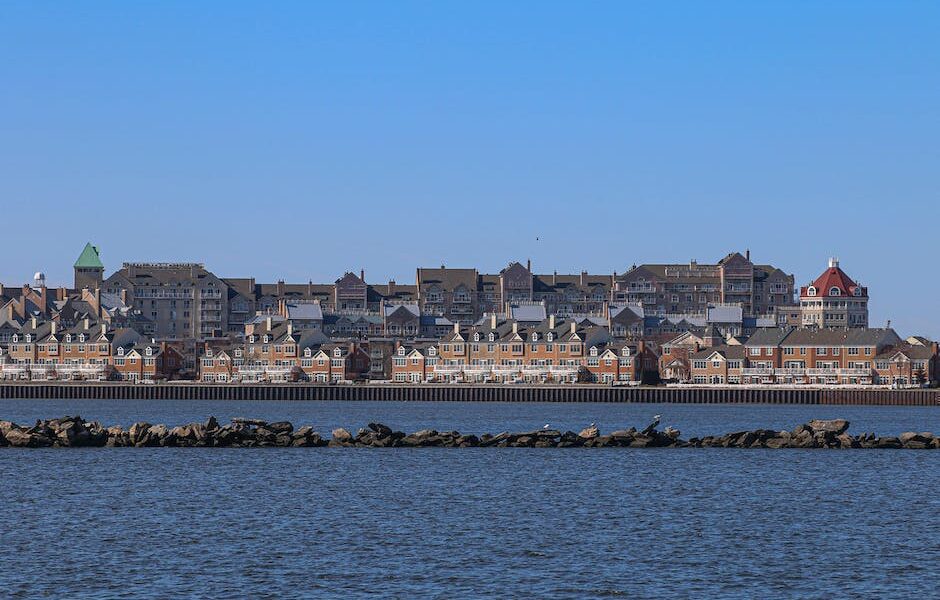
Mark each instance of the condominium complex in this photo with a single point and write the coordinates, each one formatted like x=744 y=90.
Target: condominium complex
x=732 y=322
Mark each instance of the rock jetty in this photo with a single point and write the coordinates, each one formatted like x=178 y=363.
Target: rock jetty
x=71 y=432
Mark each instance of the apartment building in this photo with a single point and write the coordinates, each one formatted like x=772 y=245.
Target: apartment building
x=834 y=300
x=690 y=288
x=183 y=300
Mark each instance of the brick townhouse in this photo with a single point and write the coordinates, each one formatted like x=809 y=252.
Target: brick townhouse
x=818 y=356
x=43 y=351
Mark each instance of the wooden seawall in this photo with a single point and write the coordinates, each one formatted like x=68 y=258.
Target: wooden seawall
x=466 y=393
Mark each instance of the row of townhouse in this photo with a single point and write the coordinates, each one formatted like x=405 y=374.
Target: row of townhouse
x=871 y=356
x=86 y=351
x=554 y=350
x=276 y=352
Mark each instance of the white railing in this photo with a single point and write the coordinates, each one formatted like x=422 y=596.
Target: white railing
x=823 y=372
x=855 y=372
x=757 y=371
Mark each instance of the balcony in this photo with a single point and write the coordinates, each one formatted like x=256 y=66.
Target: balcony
x=855 y=372
x=822 y=372
x=764 y=372
x=796 y=371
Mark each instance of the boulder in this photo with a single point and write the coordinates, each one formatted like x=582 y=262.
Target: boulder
x=835 y=426
x=138 y=432
x=279 y=427
x=341 y=435
x=211 y=424
x=589 y=432
x=379 y=428
x=20 y=439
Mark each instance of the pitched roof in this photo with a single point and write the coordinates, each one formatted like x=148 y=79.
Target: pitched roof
x=834 y=277
x=89 y=258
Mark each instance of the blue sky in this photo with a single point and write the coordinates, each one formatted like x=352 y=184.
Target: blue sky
x=299 y=140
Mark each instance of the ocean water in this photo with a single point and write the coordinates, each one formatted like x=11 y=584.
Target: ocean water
x=445 y=523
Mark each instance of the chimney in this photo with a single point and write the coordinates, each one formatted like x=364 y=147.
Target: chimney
x=280 y=287
x=583 y=277
x=309 y=287
x=747 y=254
x=391 y=287
x=551 y=321
x=124 y=297
x=640 y=347
x=493 y=321
x=61 y=293
x=104 y=328
x=554 y=278
x=456 y=327
x=87 y=323
x=98 y=301
x=268 y=322
x=32 y=322
x=43 y=299
x=290 y=328
x=515 y=327
x=362 y=275
x=833 y=263
x=574 y=326
x=528 y=264
x=52 y=327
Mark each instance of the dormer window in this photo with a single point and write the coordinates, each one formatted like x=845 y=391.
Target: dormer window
x=432 y=351
x=81 y=337
x=29 y=337
x=251 y=339
x=593 y=351
x=16 y=338
x=337 y=352
x=811 y=291
x=149 y=351
x=492 y=337
x=834 y=291
x=476 y=337
x=68 y=337
x=858 y=291
x=625 y=351
x=265 y=339
x=549 y=337
x=120 y=351
x=238 y=352
x=401 y=351
x=535 y=337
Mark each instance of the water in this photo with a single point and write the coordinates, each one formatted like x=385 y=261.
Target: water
x=168 y=522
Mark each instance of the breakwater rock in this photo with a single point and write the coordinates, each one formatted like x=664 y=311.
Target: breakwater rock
x=69 y=432
x=248 y=433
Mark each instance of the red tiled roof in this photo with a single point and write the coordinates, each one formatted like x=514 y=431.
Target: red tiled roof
x=834 y=277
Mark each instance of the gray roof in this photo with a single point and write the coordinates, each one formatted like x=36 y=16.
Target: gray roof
x=528 y=313
x=724 y=314
x=304 y=311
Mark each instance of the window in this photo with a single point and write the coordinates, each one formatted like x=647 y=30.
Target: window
x=811 y=291
x=834 y=291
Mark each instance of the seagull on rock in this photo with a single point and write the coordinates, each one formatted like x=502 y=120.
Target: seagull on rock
x=652 y=426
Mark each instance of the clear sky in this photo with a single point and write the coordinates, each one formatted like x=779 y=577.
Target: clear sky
x=300 y=140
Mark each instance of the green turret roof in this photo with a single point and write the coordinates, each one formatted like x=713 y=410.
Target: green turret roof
x=89 y=258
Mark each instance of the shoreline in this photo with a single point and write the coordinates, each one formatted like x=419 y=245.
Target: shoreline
x=470 y=393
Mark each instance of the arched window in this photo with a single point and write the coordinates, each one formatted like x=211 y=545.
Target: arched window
x=834 y=291
x=492 y=337
x=811 y=291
